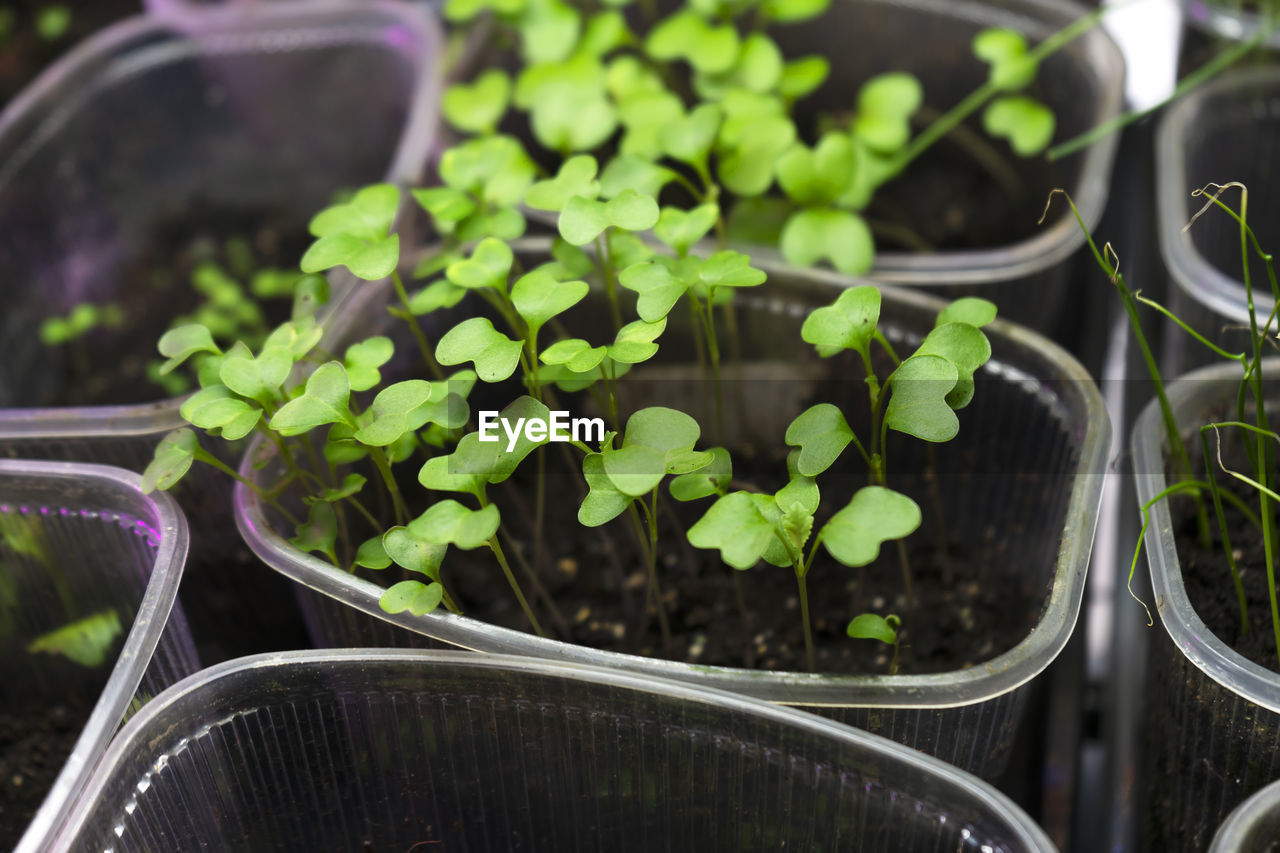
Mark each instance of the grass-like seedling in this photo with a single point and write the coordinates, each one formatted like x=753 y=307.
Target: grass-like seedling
x=1251 y=411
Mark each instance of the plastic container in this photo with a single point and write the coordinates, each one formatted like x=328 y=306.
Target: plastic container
x=1032 y=479
x=1254 y=827
x=1225 y=130
x=1212 y=716
x=386 y=750
x=219 y=115
x=101 y=546
x=1212 y=28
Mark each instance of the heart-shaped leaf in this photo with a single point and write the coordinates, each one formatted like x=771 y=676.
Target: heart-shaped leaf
x=822 y=434
x=549 y=29
x=919 y=405
x=964 y=346
x=689 y=139
x=967 y=309
x=371 y=260
x=575 y=353
x=635 y=470
x=634 y=342
x=363 y=359
x=819 y=175
x=659 y=289
x=751 y=146
x=849 y=323
x=538 y=297
x=800 y=490
x=603 y=502
x=871 y=626
x=734 y=526
x=257 y=378
x=685 y=35
x=680 y=229
x=439 y=294
x=507 y=457
x=488 y=266
x=730 y=269
x=319 y=532
x=575 y=178
x=886 y=103
x=367 y=215
x=1005 y=51
x=631 y=211
x=450 y=523
x=630 y=172
x=410 y=548
x=836 y=235
x=85 y=641
x=582 y=220
x=178 y=345
x=351 y=485
x=398 y=409
x=1025 y=122
x=445 y=204
x=710 y=479
x=372 y=555
x=802 y=76
x=171 y=461
x=477 y=108
x=414 y=596
x=875 y=515
x=324 y=401
x=494 y=168
x=213 y=407
x=494 y=355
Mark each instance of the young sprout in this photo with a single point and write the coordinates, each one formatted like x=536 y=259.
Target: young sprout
x=869 y=626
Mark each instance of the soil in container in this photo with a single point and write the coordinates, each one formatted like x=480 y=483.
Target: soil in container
x=34 y=744
x=36 y=32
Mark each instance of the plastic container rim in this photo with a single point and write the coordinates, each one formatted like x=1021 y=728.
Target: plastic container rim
x=187 y=691
x=1234 y=832
x=1192 y=274
x=139 y=645
x=162 y=415
x=1193 y=638
x=979 y=683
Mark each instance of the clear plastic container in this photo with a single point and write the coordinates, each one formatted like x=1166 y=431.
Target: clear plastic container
x=400 y=750
x=1225 y=130
x=87 y=542
x=1027 y=469
x=272 y=108
x=1254 y=827
x=1212 y=716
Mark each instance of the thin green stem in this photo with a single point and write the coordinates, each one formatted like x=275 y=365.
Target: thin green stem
x=496 y=547
x=414 y=326
x=1215 y=493
x=380 y=461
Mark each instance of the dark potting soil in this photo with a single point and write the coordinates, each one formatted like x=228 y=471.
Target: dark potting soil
x=598 y=580
x=34 y=745
x=24 y=53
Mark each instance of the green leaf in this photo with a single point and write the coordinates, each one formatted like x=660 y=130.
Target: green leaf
x=635 y=470
x=372 y=555
x=582 y=220
x=445 y=204
x=506 y=457
x=575 y=178
x=875 y=515
x=549 y=30
x=450 y=523
x=659 y=290
x=822 y=434
x=849 y=323
x=178 y=345
x=1005 y=51
x=85 y=641
x=494 y=355
x=689 y=139
x=494 y=168
x=351 y=485
x=171 y=461
x=634 y=342
x=367 y=215
x=802 y=76
x=964 y=346
x=310 y=293
x=792 y=11
x=967 y=309
x=257 y=378
x=488 y=266
x=319 y=532
x=398 y=409
x=414 y=596
x=886 y=103
x=575 y=353
x=538 y=297
x=919 y=406
x=363 y=359
x=409 y=548
x=685 y=35
x=836 y=235
x=214 y=407
x=603 y=502
x=439 y=294
x=645 y=115
x=629 y=172
x=712 y=478
x=369 y=260
x=632 y=211
x=604 y=32
x=323 y=402
x=870 y=626
x=734 y=526
x=478 y=107
x=569 y=110
x=680 y=229
x=817 y=176
x=800 y=490
x=730 y=269
x=1025 y=122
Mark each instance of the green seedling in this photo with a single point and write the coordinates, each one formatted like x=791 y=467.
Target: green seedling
x=86 y=641
x=869 y=626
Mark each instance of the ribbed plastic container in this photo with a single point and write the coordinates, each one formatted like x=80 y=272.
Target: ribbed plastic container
x=1026 y=471
x=1254 y=827
x=1212 y=28
x=225 y=114
x=1226 y=130
x=386 y=750
x=1212 y=717
x=100 y=544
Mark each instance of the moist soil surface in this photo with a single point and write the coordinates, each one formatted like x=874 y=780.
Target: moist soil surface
x=598 y=580
x=34 y=745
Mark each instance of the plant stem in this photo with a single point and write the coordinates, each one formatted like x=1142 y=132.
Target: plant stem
x=654 y=587
x=423 y=343
x=538 y=589
x=804 y=617
x=1216 y=494
x=610 y=285
x=515 y=585
x=383 y=465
